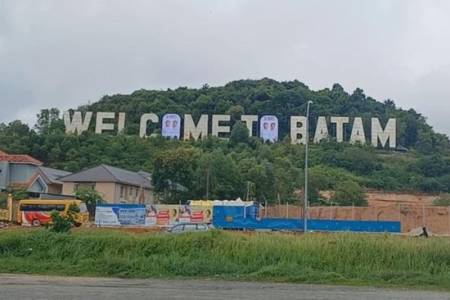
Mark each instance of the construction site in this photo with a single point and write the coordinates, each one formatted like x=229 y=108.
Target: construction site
x=414 y=211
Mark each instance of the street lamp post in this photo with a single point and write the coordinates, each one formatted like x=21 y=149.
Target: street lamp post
x=305 y=217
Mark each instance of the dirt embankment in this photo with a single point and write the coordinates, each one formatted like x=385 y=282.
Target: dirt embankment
x=412 y=210
x=377 y=199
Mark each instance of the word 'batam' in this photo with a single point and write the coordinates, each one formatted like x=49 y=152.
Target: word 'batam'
x=268 y=129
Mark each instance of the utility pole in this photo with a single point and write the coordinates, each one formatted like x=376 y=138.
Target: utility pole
x=305 y=217
x=208 y=171
x=248 y=191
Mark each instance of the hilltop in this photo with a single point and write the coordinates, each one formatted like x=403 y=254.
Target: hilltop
x=267 y=96
x=245 y=166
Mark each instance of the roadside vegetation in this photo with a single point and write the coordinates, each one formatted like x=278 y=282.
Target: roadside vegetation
x=354 y=259
x=62 y=223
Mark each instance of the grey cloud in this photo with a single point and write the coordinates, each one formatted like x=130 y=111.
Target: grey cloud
x=66 y=53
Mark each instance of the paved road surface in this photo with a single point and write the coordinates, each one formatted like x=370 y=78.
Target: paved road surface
x=44 y=287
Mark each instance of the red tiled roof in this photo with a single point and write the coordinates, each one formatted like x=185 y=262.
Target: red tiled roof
x=20 y=158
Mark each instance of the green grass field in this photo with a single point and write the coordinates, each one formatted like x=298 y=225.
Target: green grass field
x=356 y=259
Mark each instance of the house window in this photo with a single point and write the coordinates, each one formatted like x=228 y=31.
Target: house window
x=137 y=192
x=121 y=191
x=131 y=191
x=84 y=186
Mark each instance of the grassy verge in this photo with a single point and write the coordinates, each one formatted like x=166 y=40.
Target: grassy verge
x=358 y=259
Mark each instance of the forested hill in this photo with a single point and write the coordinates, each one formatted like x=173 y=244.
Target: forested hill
x=283 y=99
x=245 y=166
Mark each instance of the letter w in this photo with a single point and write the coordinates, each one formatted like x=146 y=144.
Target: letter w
x=77 y=124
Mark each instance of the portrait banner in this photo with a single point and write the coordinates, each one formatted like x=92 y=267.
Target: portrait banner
x=268 y=129
x=171 y=125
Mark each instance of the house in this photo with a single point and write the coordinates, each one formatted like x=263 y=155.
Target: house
x=46 y=180
x=115 y=185
x=17 y=170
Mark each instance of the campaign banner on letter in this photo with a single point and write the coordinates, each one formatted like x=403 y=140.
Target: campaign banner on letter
x=268 y=128
x=171 y=124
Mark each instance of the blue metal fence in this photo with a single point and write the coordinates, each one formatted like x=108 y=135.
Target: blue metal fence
x=239 y=217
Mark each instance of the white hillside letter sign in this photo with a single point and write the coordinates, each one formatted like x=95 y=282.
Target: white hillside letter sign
x=339 y=121
x=358 y=135
x=121 y=123
x=389 y=133
x=77 y=125
x=190 y=130
x=100 y=126
x=298 y=130
x=217 y=128
x=145 y=118
x=321 y=130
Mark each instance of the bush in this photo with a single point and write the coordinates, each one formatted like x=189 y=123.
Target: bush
x=59 y=223
x=62 y=224
x=443 y=200
x=91 y=198
x=349 y=193
x=358 y=159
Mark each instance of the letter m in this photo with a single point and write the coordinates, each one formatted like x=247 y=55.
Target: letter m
x=389 y=133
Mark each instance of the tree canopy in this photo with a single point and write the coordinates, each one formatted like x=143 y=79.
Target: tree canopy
x=244 y=166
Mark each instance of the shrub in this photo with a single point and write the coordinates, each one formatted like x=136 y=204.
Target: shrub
x=60 y=224
x=349 y=193
x=443 y=200
x=91 y=198
x=63 y=223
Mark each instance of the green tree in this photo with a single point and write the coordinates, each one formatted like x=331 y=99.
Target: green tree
x=48 y=120
x=239 y=133
x=91 y=198
x=172 y=168
x=17 y=137
x=349 y=193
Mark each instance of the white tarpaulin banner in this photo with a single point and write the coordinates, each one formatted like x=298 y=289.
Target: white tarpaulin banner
x=268 y=130
x=171 y=124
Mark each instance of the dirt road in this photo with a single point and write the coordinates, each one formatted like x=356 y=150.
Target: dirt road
x=44 y=287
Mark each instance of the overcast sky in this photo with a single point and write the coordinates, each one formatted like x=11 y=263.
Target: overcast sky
x=66 y=53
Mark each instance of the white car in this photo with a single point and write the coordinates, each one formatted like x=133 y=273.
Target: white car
x=188 y=227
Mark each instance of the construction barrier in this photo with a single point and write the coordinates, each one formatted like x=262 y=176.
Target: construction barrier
x=239 y=217
x=150 y=215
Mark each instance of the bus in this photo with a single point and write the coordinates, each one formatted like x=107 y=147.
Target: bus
x=37 y=212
